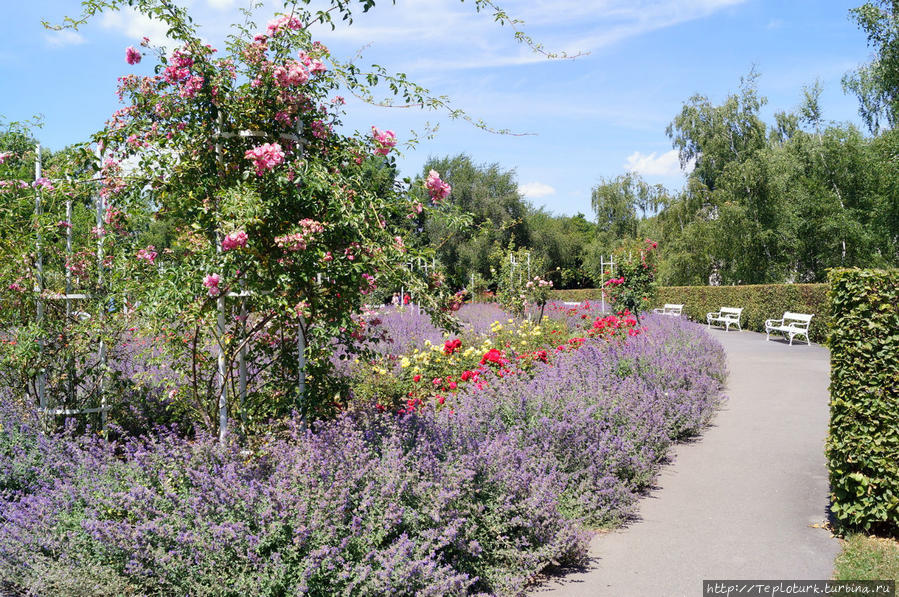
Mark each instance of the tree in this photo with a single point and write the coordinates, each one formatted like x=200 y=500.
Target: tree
x=497 y=213
x=876 y=84
x=283 y=225
x=715 y=136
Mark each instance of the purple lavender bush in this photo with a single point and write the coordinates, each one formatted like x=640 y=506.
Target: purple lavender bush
x=473 y=499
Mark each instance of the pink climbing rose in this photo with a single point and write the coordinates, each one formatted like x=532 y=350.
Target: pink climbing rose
x=148 y=254
x=281 y=22
x=437 y=189
x=132 y=56
x=291 y=74
x=265 y=157
x=384 y=140
x=234 y=240
x=211 y=281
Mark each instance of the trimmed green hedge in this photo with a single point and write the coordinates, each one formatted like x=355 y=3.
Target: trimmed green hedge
x=759 y=302
x=863 y=444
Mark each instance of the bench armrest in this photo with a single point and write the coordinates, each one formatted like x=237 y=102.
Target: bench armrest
x=770 y=322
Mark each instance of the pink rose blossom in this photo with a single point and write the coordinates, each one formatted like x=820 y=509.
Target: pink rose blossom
x=437 y=189
x=132 y=56
x=265 y=157
x=43 y=183
x=191 y=86
x=291 y=74
x=234 y=240
x=5 y=155
x=148 y=254
x=281 y=22
x=384 y=140
x=211 y=281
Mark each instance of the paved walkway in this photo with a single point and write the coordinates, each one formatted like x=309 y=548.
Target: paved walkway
x=740 y=502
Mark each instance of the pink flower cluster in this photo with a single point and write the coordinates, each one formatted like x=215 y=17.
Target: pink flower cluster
x=370 y=284
x=148 y=254
x=132 y=56
x=291 y=74
x=320 y=130
x=13 y=184
x=282 y=22
x=43 y=183
x=437 y=189
x=265 y=157
x=4 y=155
x=298 y=241
x=234 y=240
x=384 y=140
x=211 y=281
x=313 y=64
x=191 y=86
x=614 y=281
x=539 y=282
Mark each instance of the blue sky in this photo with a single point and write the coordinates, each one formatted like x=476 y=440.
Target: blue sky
x=589 y=118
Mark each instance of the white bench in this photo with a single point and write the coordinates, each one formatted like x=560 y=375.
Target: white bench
x=790 y=325
x=670 y=309
x=727 y=317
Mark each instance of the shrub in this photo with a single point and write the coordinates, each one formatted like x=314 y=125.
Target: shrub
x=759 y=302
x=863 y=444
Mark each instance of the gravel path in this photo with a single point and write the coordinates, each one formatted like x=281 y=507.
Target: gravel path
x=740 y=502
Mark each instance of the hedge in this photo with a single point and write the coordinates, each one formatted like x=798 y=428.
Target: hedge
x=759 y=302
x=863 y=443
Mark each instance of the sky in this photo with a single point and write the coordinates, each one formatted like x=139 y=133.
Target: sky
x=575 y=122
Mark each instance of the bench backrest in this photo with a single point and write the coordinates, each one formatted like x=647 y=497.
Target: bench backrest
x=797 y=317
x=731 y=311
x=672 y=307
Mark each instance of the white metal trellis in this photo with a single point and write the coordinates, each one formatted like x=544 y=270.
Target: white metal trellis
x=603 y=264
x=221 y=371
x=68 y=297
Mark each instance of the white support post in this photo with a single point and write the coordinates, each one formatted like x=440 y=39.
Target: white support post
x=70 y=362
x=242 y=358
x=39 y=280
x=101 y=349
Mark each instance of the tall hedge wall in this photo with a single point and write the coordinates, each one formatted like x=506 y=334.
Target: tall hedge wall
x=759 y=302
x=863 y=444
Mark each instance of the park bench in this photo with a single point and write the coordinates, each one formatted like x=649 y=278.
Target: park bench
x=790 y=325
x=670 y=309
x=727 y=317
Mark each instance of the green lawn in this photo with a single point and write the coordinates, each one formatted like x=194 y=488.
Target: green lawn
x=868 y=558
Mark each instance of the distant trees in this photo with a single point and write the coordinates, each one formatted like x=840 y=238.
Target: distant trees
x=764 y=202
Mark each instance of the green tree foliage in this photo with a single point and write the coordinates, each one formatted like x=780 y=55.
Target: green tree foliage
x=498 y=215
x=774 y=204
x=876 y=84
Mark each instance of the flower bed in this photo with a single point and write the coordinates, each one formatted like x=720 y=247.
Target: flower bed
x=475 y=495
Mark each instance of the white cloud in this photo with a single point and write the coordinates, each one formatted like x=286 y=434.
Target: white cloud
x=132 y=24
x=666 y=164
x=536 y=190
x=221 y=4
x=65 y=37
